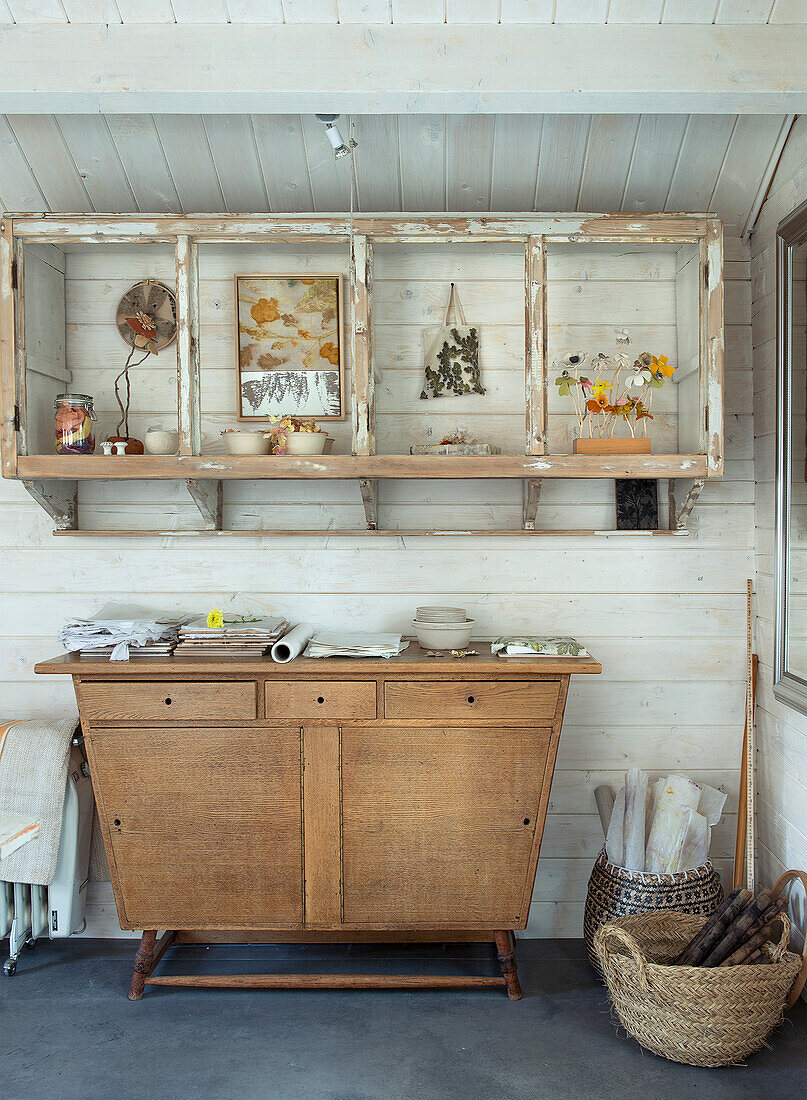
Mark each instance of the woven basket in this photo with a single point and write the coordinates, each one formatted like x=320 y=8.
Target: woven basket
x=701 y=1016
x=616 y=892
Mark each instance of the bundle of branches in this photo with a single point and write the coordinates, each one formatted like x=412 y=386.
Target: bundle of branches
x=737 y=932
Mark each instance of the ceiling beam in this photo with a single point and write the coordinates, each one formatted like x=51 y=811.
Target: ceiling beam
x=268 y=69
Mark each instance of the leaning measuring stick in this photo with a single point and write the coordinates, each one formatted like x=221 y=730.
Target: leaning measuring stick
x=750 y=794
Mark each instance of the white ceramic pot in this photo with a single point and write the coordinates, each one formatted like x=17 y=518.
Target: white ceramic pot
x=159 y=442
x=246 y=443
x=306 y=443
x=444 y=635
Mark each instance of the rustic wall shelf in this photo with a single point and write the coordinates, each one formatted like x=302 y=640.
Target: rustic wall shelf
x=37 y=303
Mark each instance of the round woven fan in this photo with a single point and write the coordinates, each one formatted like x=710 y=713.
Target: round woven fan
x=147 y=316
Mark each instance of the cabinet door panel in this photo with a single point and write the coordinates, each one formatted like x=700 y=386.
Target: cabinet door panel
x=438 y=825
x=204 y=825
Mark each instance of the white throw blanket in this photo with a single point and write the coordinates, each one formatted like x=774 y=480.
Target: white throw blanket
x=33 y=779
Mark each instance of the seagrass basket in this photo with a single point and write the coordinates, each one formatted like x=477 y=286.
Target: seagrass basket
x=616 y=892
x=701 y=1016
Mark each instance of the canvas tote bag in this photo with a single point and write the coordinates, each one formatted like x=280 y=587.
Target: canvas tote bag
x=452 y=355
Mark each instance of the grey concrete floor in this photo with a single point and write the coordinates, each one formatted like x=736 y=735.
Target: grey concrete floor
x=67 y=1030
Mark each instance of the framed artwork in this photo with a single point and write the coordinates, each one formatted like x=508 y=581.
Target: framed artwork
x=636 y=504
x=289 y=340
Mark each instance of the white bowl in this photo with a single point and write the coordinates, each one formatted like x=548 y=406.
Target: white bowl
x=306 y=443
x=246 y=443
x=443 y=635
x=159 y=442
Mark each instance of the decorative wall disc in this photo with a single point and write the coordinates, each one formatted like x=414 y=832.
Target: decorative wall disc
x=147 y=316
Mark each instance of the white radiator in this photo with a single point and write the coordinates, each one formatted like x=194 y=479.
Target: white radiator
x=28 y=911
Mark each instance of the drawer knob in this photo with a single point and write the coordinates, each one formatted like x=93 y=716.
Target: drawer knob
x=320 y=699
x=471 y=698
x=168 y=701
x=116 y=823
x=526 y=821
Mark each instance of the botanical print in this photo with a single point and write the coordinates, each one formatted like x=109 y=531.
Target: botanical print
x=289 y=355
x=636 y=504
x=549 y=646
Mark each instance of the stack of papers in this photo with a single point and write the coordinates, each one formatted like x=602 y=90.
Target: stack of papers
x=337 y=643
x=248 y=639
x=537 y=646
x=118 y=639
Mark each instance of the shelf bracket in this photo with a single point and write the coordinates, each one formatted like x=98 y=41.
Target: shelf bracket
x=531 y=494
x=59 y=499
x=369 y=496
x=678 y=519
x=207 y=496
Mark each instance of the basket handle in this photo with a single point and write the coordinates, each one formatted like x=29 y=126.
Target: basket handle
x=608 y=935
x=784 y=885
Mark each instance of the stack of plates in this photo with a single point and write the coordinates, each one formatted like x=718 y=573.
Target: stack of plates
x=441 y=615
x=443 y=627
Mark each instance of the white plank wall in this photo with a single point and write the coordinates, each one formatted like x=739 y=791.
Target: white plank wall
x=781 y=731
x=665 y=617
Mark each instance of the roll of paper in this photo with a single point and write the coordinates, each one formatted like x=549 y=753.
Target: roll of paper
x=635 y=806
x=615 y=840
x=291 y=645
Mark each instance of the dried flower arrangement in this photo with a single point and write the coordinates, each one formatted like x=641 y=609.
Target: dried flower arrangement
x=620 y=389
x=284 y=426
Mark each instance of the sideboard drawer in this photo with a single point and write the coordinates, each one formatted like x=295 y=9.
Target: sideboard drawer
x=172 y=700
x=435 y=699
x=301 y=699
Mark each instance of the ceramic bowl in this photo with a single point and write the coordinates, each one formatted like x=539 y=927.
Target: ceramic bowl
x=443 y=635
x=158 y=442
x=246 y=443
x=306 y=443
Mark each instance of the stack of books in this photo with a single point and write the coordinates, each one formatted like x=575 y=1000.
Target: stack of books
x=234 y=639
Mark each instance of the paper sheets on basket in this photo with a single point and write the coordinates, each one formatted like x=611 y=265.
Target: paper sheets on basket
x=663 y=826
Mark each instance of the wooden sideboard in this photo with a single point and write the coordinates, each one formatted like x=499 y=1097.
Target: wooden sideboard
x=331 y=799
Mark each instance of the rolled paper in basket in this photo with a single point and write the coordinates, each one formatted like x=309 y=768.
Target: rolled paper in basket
x=605 y=798
x=291 y=645
x=635 y=805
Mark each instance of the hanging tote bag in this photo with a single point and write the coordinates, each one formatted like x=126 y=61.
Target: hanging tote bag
x=452 y=355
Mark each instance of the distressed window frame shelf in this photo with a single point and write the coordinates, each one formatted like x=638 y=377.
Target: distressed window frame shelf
x=53 y=479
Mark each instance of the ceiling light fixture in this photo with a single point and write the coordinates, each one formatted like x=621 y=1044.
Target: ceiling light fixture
x=340 y=148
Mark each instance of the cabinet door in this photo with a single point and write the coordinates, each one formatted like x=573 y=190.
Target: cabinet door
x=438 y=825
x=202 y=826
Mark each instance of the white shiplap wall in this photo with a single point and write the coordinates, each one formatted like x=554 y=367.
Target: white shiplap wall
x=781 y=731
x=403 y=11
x=666 y=617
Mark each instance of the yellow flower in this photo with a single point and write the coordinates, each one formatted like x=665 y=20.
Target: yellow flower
x=661 y=364
x=215 y=620
x=599 y=390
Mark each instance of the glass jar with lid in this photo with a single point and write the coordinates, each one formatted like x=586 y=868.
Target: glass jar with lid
x=73 y=424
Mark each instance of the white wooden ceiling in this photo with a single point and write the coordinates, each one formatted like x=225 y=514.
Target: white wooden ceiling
x=240 y=163
x=403 y=11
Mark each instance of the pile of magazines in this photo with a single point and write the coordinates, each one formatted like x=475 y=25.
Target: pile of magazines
x=236 y=637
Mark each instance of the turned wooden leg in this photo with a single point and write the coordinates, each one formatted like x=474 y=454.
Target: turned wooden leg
x=507 y=961
x=143 y=964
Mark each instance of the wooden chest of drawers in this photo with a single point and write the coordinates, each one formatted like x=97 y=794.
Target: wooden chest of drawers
x=329 y=798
